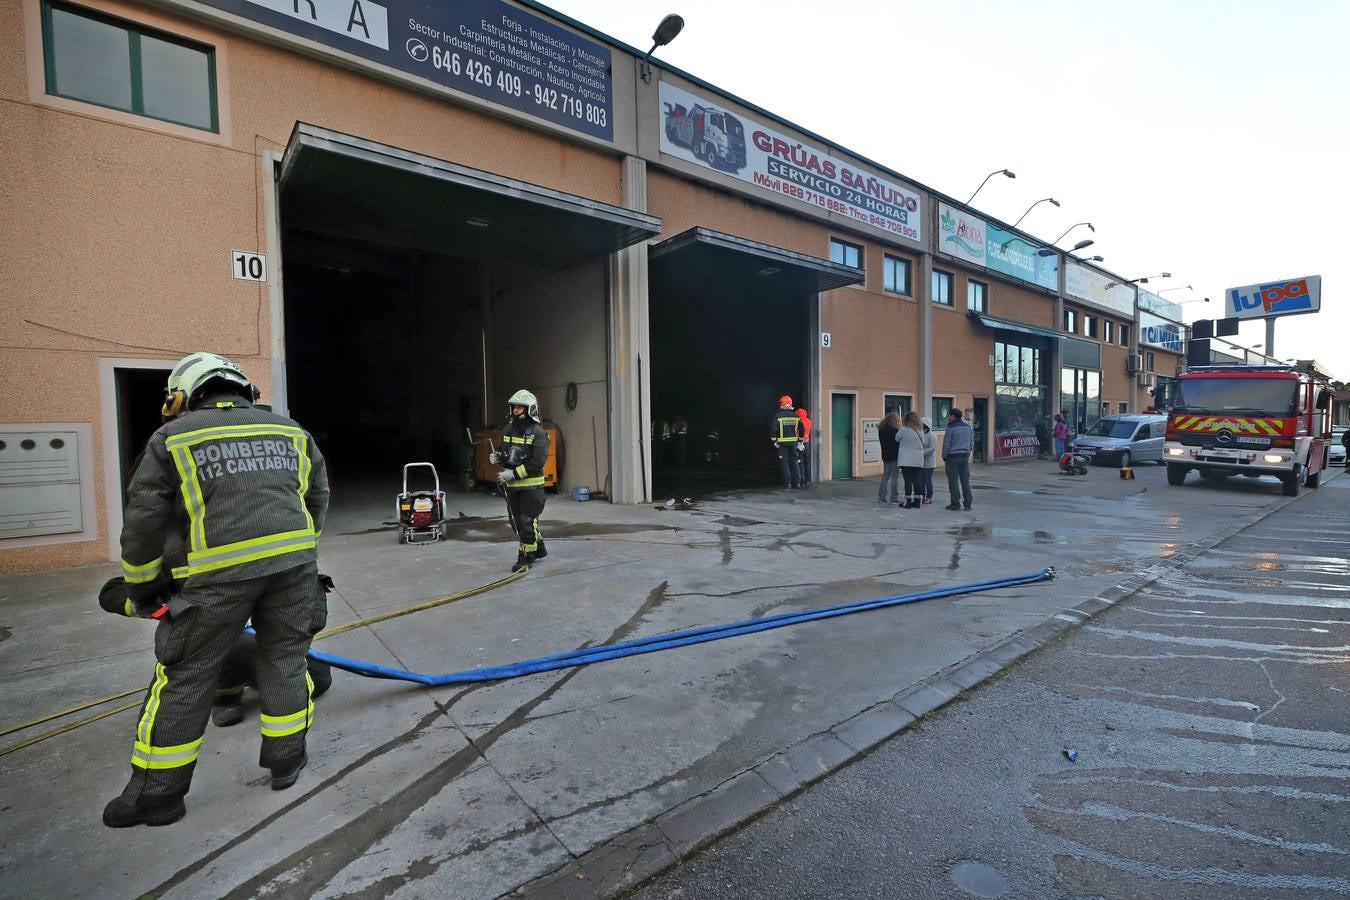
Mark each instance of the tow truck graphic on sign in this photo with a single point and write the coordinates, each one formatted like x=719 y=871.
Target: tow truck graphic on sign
x=712 y=135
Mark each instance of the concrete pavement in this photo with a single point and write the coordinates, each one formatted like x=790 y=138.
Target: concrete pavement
x=1208 y=713
x=610 y=771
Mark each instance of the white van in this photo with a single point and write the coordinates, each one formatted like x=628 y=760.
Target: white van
x=1124 y=439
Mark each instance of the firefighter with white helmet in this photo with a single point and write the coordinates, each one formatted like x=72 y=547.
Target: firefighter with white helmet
x=245 y=491
x=522 y=457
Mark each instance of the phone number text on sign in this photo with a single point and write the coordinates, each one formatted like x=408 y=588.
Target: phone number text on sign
x=501 y=74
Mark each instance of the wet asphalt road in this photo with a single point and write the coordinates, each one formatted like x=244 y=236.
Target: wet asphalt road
x=1211 y=718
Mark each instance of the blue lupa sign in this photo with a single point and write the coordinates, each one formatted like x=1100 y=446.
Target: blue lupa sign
x=482 y=47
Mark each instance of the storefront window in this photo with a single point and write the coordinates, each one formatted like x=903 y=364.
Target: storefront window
x=1020 y=397
x=899 y=402
x=1080 y=393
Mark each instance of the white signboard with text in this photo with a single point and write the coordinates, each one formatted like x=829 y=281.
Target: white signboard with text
x=1093 y=287
x=702 y=131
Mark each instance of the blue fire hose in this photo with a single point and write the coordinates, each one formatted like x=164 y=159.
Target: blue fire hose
x=587 y=655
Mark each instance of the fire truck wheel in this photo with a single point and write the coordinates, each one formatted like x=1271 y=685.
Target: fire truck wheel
x=1314 y=480
x=1176 y=474
x=1292 y=483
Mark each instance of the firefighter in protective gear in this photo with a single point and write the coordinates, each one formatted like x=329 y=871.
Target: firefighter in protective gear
x=522 y=457
x=804 y=447
x=786 y=433
x=245 y=492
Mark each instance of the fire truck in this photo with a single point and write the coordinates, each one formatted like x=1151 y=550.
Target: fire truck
x=714 y=136
x=1252 y=421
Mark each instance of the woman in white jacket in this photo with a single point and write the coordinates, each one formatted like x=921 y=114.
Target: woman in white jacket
x=910 y=458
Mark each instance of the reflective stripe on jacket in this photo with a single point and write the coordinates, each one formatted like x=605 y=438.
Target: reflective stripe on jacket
x=532 y=436
x=786 y=427
x=244 y=490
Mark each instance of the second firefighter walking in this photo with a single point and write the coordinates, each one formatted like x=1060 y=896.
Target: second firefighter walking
x=522 y=457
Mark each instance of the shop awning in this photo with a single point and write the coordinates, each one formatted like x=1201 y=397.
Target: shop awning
x=695 y=257
x=334 y=183
x=1008 y=325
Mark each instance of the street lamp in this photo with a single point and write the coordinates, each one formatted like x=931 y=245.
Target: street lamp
x=1183 y=288
x=1145 y=279
x=1007 y=172
x=1050 y=251
x=1090 y=226
x=1034 y=205
x=666 y=32
x=1199 y=300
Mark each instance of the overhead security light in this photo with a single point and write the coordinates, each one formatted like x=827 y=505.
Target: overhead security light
x=666 y=32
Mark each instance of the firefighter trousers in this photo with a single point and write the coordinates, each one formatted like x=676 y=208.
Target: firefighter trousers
x=527 y=505
x=287 y=609
x=789 y=464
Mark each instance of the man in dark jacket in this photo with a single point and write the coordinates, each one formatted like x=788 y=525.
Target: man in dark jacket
x=1044 y=427
x=522 y=457
x=785 y=431
x=957 y=445
x=245 y=491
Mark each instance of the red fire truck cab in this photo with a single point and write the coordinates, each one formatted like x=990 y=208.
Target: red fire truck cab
x=1253 y=421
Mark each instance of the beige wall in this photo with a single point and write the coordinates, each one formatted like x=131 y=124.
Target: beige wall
x=117 y=229
x=569 y=307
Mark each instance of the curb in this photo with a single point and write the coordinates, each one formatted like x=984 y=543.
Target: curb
x=629 y=859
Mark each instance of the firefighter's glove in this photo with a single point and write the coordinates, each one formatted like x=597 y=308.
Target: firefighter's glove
x=495 y=457
x=506 y=476
x=326 y=582
x=145 y=601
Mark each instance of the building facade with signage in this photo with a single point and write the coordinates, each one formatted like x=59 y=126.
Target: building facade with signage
x=393 y=215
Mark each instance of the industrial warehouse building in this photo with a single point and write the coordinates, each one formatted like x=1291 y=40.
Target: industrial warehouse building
x=392 y=223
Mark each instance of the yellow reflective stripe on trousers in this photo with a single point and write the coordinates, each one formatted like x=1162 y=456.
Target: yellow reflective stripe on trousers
x=536 y=481
x=147 y=722
x=143 y=573
x=281 y=726
x=249 y=551
x=149 y=757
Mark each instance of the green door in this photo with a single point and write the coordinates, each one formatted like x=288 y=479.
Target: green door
x=841 y=436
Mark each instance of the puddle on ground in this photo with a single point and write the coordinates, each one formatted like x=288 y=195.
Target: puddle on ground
x=492 y=530
x=736 y=522
x=985 y=532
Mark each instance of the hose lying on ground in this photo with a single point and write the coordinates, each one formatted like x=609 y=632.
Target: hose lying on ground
x=587 y=655
x=332 y=632
x=580 y=657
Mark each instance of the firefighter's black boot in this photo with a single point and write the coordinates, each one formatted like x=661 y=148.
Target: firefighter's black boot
x=523 y=561
x=223 y=715
x=285 y=776
x=541 y=552
x=121 y=814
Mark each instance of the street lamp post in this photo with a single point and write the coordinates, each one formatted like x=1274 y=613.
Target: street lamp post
x=1008 y=172
x=1090 y=226
x=665 y=32
x=1050 y=200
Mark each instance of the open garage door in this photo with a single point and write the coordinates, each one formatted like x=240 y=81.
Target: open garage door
x=730 y=333
x=420 y=294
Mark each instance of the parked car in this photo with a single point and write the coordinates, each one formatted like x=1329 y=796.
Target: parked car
x=1124 y=439
x=1336 y=453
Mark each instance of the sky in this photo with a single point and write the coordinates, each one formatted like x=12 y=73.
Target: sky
x=1206 y=139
